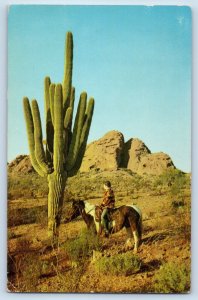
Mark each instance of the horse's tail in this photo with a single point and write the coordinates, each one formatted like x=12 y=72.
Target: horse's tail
x=139 y=223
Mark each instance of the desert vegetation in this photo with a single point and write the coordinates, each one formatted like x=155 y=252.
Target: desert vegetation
x=85 y=263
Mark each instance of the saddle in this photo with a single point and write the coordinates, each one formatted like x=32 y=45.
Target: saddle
x=98 y=213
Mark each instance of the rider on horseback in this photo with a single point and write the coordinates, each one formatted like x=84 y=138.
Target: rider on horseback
x=108 y=202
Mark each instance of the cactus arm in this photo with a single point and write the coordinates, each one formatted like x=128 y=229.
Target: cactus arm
x=71 y=104
x=47 y=83
x=49 y=125
x=73 y=171
x=67 y=131
x=69 y=128
x=58 y=130
x=84 y=137
x=88 y=119
x=80 y=122
x=72 y=97
x=78 y=125
x=38 y=137
x=52 y=91
x=67 y=79
x=30 y=135
x=68 y=117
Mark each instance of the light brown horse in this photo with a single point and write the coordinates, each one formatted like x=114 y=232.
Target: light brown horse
x=126 y=216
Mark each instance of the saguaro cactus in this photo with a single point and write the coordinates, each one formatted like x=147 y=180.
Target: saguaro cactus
x=62 y=154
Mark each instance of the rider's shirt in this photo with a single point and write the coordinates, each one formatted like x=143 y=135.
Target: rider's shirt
x=108 y=199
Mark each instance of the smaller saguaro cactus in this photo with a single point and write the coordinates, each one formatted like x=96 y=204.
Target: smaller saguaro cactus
x=64 y=148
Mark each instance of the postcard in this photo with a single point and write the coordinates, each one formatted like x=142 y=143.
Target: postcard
x=99 y=149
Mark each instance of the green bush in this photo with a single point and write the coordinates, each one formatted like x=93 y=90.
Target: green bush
x=82 y=247
x=172 y=278
x=172 y=176
x=120 y=264
x=172 y=181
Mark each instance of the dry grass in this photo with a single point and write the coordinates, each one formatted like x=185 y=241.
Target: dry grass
x=34 y=265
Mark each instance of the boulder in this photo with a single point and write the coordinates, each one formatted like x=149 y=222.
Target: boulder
x=105 y=153
x=155 y=164
x=139 y=159
x=133 y=152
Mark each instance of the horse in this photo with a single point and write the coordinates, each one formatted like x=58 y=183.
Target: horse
x=128 y=216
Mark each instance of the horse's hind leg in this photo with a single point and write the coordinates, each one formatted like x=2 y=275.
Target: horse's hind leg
x=129 y=244
x=134 y=229
x=136 y=241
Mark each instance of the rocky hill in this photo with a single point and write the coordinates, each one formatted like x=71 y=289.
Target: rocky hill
x=111 y=152
x=21 y=164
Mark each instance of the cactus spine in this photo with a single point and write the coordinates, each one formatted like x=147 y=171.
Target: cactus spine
x=64 y=149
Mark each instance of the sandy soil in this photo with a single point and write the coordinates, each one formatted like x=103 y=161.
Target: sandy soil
x=34 y=266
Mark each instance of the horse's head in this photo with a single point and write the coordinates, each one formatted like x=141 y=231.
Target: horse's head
x=78 y=206
x=75 y=210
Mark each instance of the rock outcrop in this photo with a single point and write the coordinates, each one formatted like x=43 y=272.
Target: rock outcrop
x=110 y=153
x=21 y=164
x=133 y=152
x=105 y=153
x=139 y=159
x=155 y=164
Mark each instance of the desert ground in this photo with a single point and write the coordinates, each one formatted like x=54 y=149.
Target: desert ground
x=85 y=263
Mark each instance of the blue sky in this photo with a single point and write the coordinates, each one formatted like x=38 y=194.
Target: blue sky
x=134 y=60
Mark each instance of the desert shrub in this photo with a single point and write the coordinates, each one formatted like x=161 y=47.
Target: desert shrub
x=27 y=216
x=64 y=282
x=184 y=221
x=137 y=182
x=172 y=176
x=120 y=264
x=23 y=267
x=28 y=185
x=177 y=203
x=172 y=278
x=128 y=171
x=31 y=270
x=173 y=181
x=78 y=250
x=11 y=235
x=82 y=246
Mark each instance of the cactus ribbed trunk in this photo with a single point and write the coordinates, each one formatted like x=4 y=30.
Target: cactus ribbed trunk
x=56 y=184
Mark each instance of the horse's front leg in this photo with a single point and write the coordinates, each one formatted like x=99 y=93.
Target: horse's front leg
x=99 y=229
x=117 y=221
x=116 y=226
